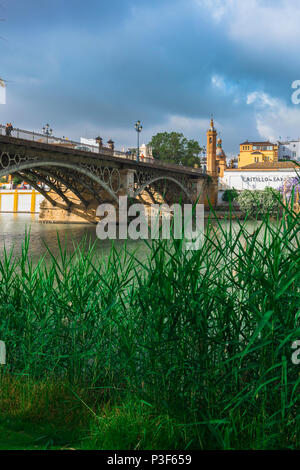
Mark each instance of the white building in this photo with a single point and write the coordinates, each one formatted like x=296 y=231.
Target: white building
x=258 y=176
x=90 y=142
x=84 y=140
x=146 y=150
x=289 y=150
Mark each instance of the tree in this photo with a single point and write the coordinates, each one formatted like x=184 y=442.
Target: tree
x=229 y=195
x=16 y=181
x=173 y=147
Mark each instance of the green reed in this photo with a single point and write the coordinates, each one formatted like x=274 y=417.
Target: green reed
x=203 y=337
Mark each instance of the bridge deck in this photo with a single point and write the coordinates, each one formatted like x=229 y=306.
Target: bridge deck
x=53 y=146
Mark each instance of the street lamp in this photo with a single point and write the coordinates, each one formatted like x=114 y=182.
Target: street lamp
x=138 y=128
x=47 y=131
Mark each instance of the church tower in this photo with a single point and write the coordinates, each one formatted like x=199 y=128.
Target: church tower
x=211 y=150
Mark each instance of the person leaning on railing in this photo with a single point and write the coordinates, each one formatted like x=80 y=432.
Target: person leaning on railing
x=8 y=128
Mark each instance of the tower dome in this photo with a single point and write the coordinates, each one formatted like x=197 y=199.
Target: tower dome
x=220 y=151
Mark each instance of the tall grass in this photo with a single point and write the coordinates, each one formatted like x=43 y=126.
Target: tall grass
x=201 y=337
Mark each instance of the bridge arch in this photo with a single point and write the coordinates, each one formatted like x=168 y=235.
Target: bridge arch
x=154 y=180
x=54 y=163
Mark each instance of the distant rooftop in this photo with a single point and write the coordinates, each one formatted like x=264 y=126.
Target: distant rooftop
x=270 y=165
x=257 y=143
x=287 y=142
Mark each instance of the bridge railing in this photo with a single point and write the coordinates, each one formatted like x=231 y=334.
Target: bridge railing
x=50 y=139
x=71 y=144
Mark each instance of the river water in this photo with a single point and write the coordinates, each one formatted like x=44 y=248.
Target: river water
x=13 y=229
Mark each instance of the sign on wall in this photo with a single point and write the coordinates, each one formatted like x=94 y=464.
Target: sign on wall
x=255 y=179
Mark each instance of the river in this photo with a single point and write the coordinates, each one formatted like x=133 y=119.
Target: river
x=13 y=228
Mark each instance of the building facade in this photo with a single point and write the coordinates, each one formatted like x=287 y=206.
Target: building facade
x=146 y=151
x=257 y=152
x=258 y=176
x=289 y=150
x=20 y=200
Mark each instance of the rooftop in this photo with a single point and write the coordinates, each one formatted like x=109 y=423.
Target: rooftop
x=257 y=143
x=270 y=165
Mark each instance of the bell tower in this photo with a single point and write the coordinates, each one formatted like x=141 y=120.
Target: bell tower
x=211 y=151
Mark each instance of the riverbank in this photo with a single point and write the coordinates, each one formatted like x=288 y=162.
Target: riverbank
x=221 y=213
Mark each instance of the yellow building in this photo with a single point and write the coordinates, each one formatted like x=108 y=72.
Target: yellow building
x=257 y=152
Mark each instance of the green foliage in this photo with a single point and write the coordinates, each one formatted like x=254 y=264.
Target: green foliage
x=17 y=180
x=201 y=338
x=230 y=195
x=40 y=414
x=133 y=425
x=175 y=148
x=259 y=202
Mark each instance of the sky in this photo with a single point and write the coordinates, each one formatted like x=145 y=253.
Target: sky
x=95 y=67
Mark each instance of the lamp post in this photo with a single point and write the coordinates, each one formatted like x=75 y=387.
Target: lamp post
x=47 y=131
x=138 y=128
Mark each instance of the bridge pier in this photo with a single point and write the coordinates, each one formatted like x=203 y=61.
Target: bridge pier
x=127 y=183
x=206 y=192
